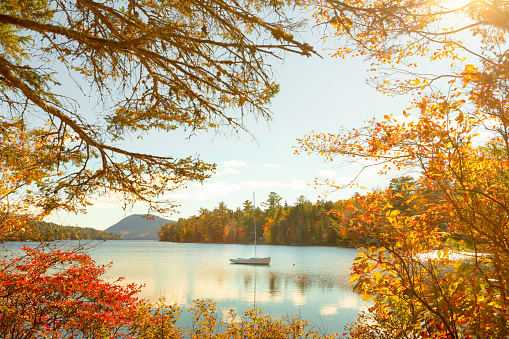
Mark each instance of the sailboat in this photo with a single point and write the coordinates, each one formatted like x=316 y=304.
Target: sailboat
x=254 y=260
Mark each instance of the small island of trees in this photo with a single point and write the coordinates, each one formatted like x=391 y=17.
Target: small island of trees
x=48 y=231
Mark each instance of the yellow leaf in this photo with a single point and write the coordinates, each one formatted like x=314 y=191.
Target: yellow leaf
x=470 y=68
x=415 y=82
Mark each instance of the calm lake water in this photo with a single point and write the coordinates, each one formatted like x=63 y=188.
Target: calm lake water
x=310 y=281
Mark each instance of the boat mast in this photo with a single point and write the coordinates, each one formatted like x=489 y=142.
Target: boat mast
x=254 y=218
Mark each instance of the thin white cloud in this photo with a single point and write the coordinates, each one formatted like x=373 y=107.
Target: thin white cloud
x=371 y=172
x=328 y=174
x=230 y=167
x=234 y=164
x=216 y=189
x=272 y=165
x=298 y=184
x=104 y=203
x=334 y=177
x=228 y=170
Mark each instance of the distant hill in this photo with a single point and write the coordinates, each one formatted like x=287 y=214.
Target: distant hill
x=139 y=227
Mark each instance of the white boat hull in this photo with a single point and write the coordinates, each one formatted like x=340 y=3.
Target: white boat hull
x=251 y=261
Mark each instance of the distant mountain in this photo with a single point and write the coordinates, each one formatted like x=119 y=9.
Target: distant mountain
x=139 y=227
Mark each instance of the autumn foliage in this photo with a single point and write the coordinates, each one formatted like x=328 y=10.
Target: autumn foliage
x=188 y=65
x=304 y=223
x=147 y=66
x=61 y=294
x=77 y=79
x=453 y=138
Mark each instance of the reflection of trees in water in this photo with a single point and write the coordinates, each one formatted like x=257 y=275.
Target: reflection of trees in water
x=306 y=281
x=303 y=282
x=279 y=281
x=247 y=280
x=273 y=284
x=222 y=277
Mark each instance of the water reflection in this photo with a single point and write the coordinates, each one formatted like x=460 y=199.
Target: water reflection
x=311 y=281
x=272 y=284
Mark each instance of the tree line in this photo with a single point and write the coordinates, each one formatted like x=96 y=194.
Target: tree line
x=277 y=223
x=303 y=223
x=48 y=231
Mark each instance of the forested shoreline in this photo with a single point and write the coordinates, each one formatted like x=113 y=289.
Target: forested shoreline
x=323 y=223
x=277 y=223
x=48 y=231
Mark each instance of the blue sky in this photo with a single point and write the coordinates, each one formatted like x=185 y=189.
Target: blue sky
x=316 y=95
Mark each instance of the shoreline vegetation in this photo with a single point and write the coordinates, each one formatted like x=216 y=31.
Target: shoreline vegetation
x=41 y=231
x=323 y=223
x=277 y=223
x=250 y=324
